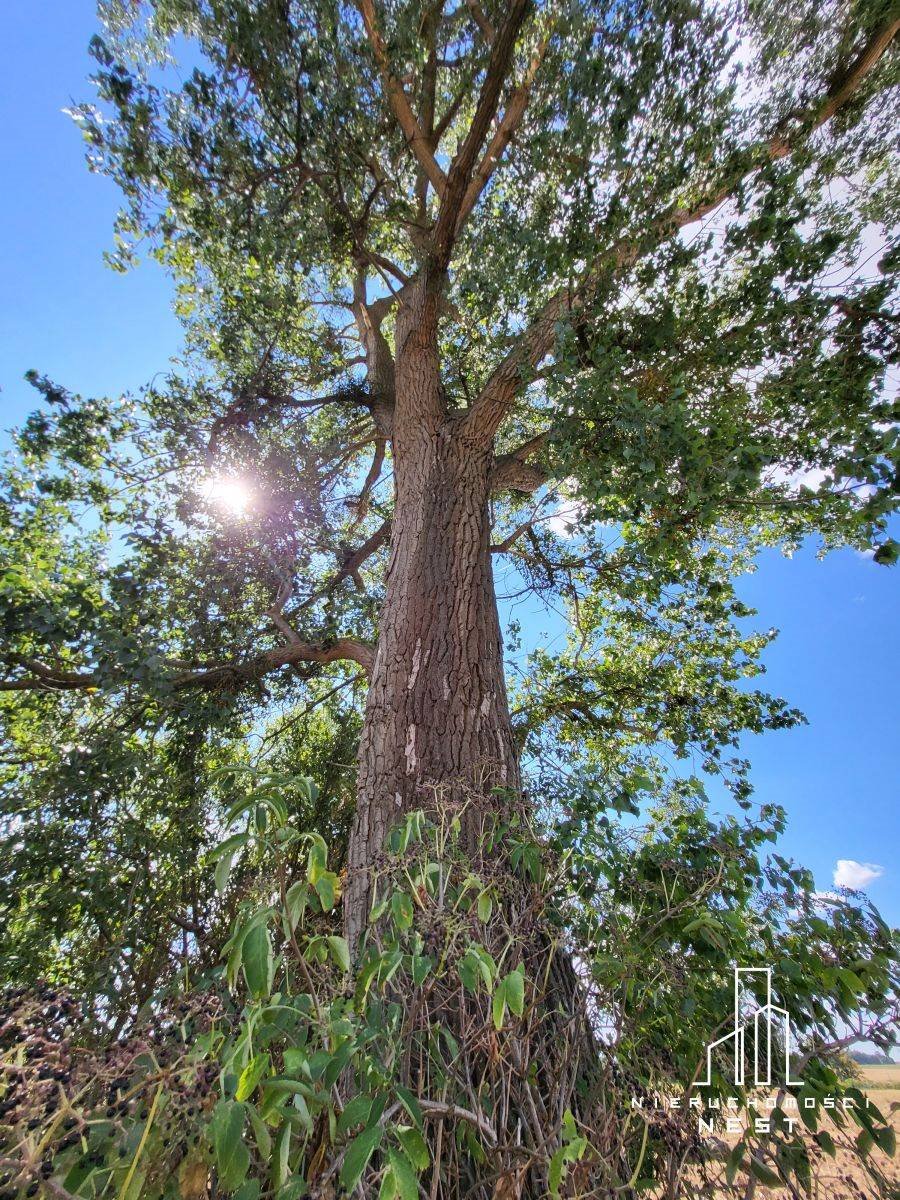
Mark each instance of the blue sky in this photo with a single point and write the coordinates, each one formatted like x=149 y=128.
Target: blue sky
x=63 y=312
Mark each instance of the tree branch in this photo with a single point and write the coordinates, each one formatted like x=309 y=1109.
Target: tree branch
x=481 y=19
x=223 y=675
x=248 y=407
x=512 y=471
x=538 y=340
x=396 y=95
x=374 y=474
x=352 y=562
x=507 y=126
x=460 y=174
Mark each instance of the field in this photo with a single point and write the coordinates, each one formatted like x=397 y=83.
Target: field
x=842 y=1178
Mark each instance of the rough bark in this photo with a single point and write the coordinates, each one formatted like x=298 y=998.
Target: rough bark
x=437 y=713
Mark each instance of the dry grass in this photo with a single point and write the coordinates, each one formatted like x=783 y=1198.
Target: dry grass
x=842 y=1177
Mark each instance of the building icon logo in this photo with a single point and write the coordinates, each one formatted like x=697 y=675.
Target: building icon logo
x=757 y=1030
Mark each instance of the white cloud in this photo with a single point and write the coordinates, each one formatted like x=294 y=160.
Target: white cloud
x=851 y=874
x=565 y=521
x=811 y=477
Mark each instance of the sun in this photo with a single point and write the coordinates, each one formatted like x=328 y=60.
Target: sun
x=228 y=492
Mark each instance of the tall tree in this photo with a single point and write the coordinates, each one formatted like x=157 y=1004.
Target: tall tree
x=583 y=287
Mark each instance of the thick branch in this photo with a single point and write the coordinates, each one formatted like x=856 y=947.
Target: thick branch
x=247 y=408
x=513 y=471
x=230 y=674
x=538 y=340
x=415 y=136
x=216 y=675
x=481 y=19
x=353 y=560
x=374 y=474
x=507 y=126
x=461 y=169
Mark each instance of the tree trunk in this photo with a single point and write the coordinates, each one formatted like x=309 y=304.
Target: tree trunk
x=437 y=714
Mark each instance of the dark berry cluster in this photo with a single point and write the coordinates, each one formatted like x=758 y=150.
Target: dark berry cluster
x=72 y=1094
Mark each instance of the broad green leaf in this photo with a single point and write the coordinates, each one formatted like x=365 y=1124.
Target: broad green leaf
x=404 y=1175
x=826 y=1141
x=763 y=1173
x=222 y=871
x=258 y=961
x=355 y=1112
x=295 y=901
x=411 y=1104
x=232 y=1156
x=414 y=1146
x=251 y=1075
x=402 y=910
x=514 y=984
x=357 y=1157
x=280 y=1167
x=389 y=1188
x=340 y=951
x=735 y=1158
x=498 y=1006
x=328 y=889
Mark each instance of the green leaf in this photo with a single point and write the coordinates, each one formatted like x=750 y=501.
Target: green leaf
x=414 y=1146
x=498 y=1006
x=251 y=1075
x=404 y=1175
x=556 y=1169
x=515 y=990
x=389 y=1188
x=280 y=1159
x=295 y=901
x=317 y=861
x=402 y=910
x=826 y=1141
x=763 y=1173
x=864 y=1142
x=467 y=969
x=510 y=991
x=732 y=1166
x=222 y=871
x=356 y=1112
x=260 y=1132
x=328 y=889
x=357 y=1157
x=231 y=845
x=293 y=1189
x=411 y=1104
x=258 y=961
x=887 y=553
x=421 y=965
x=850 y=979
x=340 y=951
x=887 y=1140
x=232 y=1156
x=485 y=906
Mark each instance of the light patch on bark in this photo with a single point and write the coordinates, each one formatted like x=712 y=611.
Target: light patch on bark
x=411 y=750
x=417 y=658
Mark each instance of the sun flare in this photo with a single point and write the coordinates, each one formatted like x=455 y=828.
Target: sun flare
x=229 y=493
